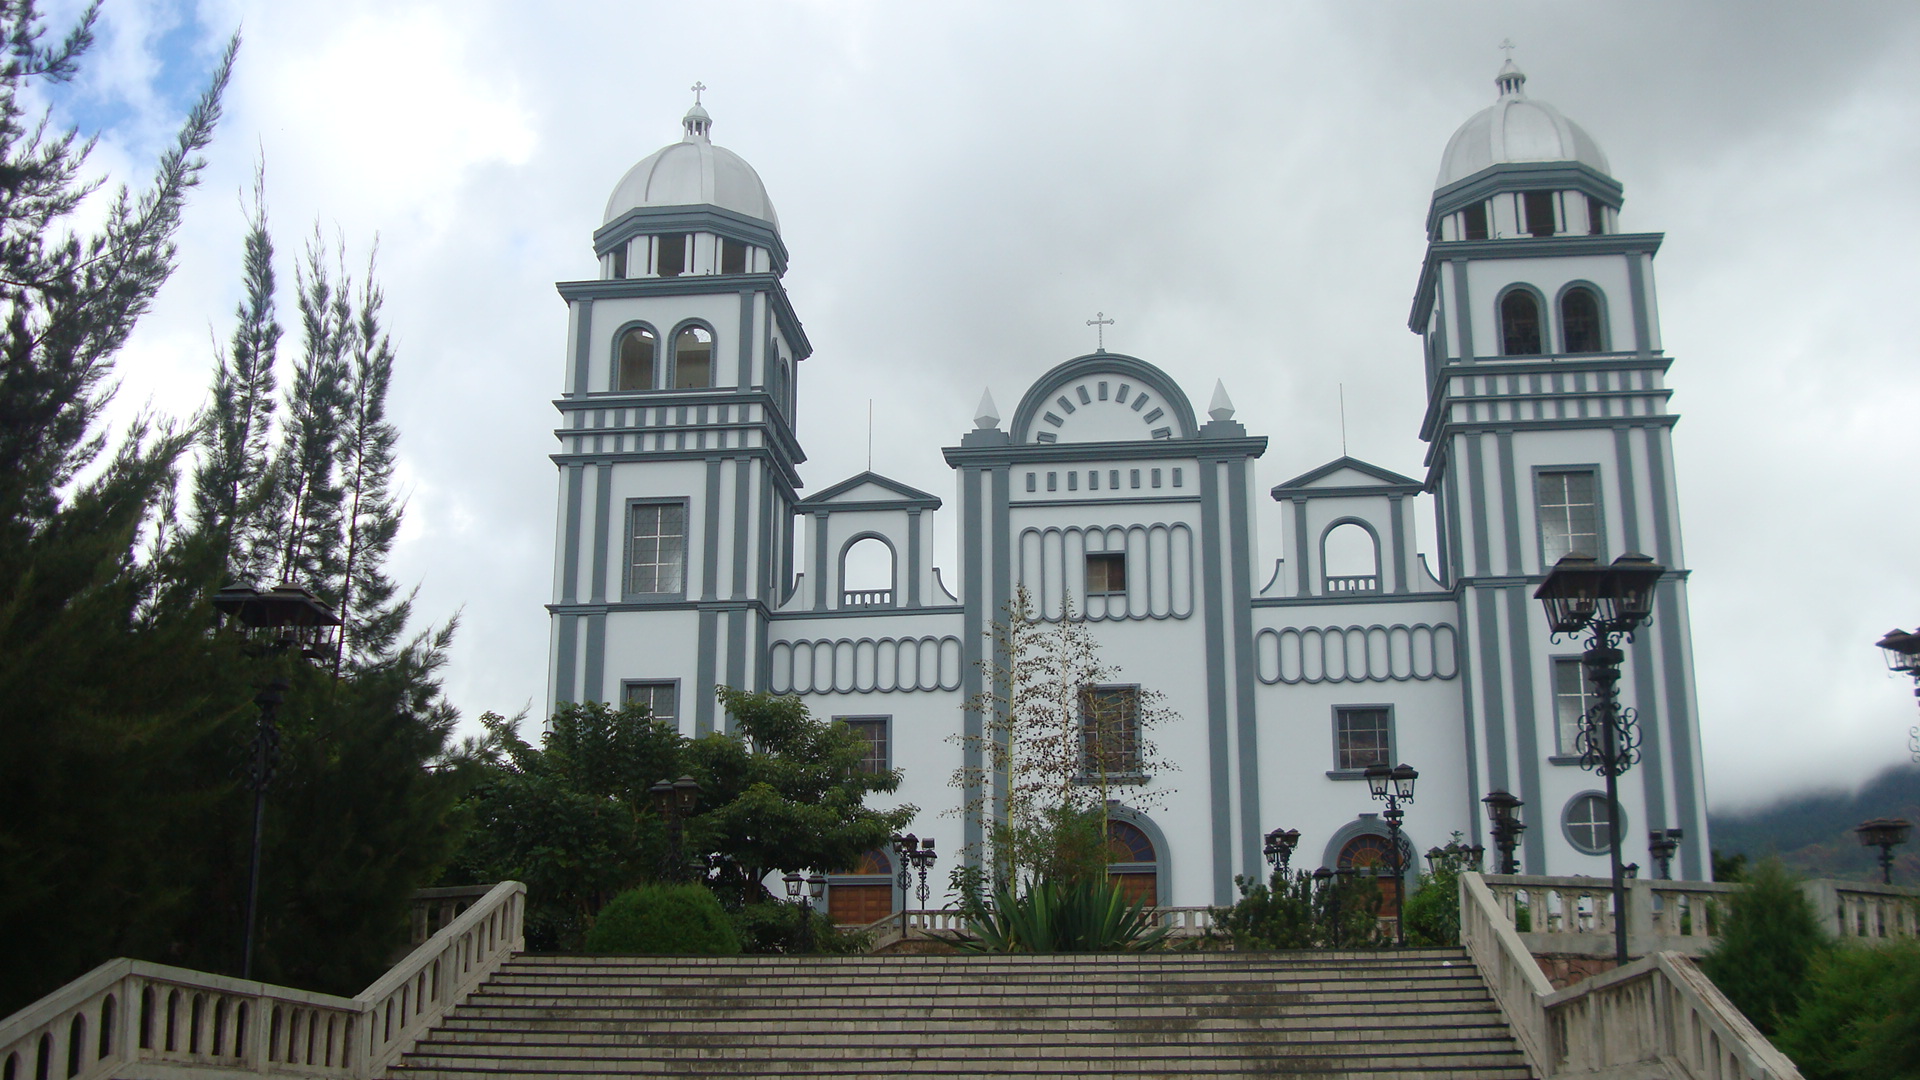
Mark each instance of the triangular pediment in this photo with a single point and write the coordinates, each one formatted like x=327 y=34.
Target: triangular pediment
x=1349 y=476
x=871 y=489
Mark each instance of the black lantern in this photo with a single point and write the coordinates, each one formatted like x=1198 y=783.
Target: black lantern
x=793 y=881
x=284 y=618
x=816 y=885
x=1661 y=844
x=1885 y=834
x=1403 y=778
x=904 y=849
x=1279 y=848
x=686 y=794
x=1903 y=658
x=1503 y=809
x=1572 y=593
x=1378 y=777
x=675 y=801
x=923 y=861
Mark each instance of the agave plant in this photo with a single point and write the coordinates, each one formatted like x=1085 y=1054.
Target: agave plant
x=1057 y=917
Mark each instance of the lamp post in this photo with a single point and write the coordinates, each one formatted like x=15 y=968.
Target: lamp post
x=1394 y=786
x=1885 y=834
x=1504 y=811
x=1661 y=844
x=1903 y=658
x=675 y=801
x=904 y=848
x=1279 y=848
x=1608 y=603
x=284 y=619
x=923 y=861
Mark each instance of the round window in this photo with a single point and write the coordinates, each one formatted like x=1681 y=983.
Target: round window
x=1587 y=824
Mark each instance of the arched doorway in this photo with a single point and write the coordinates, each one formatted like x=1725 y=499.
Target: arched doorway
x=1132 y=862
x=864 y=894
x=1372 y=851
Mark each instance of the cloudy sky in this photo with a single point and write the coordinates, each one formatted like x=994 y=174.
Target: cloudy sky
x=1242 y=186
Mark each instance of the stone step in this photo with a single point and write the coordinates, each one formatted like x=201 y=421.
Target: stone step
x=1037 y=1043
x=1345 y=1015
x=1145 y=1057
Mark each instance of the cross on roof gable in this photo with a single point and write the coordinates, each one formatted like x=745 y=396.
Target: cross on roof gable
x=1348 y=476
x=870 y=490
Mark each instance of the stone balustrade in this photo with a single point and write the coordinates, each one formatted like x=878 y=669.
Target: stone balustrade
x=131 y=1017
x=1657 y=1018
x=1573 y=916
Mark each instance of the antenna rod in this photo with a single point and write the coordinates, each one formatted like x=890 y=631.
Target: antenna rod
x=869 y=434
x=1343 y=419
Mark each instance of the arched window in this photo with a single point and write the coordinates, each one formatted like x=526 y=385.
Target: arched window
x=866 y=574
x=1519 y=324
x=1373 y=852
x=1580 y=320
x=636 y=365
x=1131 y=862
x=863 y=895
x=1350 y=559
x=692 y=358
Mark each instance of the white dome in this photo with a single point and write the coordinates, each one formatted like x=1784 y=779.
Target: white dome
x=693 y=172
x=1516 y=128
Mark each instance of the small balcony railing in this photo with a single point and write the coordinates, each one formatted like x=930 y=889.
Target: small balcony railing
x=1352 y=583
x=852 y=598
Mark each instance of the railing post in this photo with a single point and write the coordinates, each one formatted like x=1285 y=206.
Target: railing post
x=1826 y=906
x=1640 y=941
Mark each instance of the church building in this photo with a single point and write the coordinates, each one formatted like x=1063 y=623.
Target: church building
x=688 y=557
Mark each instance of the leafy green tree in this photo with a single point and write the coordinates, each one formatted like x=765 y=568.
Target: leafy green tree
x=1767 y=946
x=1432 y=912
x=1302 y=911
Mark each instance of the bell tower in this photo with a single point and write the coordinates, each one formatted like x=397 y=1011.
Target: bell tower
x=677 y=450
x=1548 y=433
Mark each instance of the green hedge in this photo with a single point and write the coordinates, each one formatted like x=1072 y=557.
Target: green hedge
x=683 y=920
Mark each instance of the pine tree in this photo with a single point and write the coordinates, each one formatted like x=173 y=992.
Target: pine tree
x=233 y=477
x=106 y=669
x=371 y=518
x=304 y=513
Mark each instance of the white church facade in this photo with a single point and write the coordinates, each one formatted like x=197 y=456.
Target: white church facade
x=687 y=555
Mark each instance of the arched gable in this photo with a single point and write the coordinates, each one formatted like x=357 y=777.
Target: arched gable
x=1149 y=405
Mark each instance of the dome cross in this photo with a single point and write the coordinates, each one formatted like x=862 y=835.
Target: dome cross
x=697 y=87
x=1100 y=322
x=1507 y=44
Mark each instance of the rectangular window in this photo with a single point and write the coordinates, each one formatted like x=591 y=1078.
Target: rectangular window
x=1572 y=697
x=1177 y=477
x=619 y=261
x=874 y=730
x=1110 y=731
x=673 y=254
x=1106 y=574
x=1156 y=478
x=1031 y=481
x=656 y=549
x=662 y=699
x=1073 y=480
x=1093 y=479
x=1474 y=219
x=1596 y=216
x=1113 y=479
x=1569 y=515
x=1134 y=477
x=1539 y=211
x=1053 y=481
x=733 y=257
x=1362 y=736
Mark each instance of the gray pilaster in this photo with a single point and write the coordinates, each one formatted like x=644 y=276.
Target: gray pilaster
x=1402 y=568
x=820 y=561
x=1681 y=727
x=1002 y=520
x=704 y=671
x=1629 y=504
x=913 y=558
x=565 y=656
x=747 y=304
x=1219 y=753
x=973 y=638
x=1526 y=730
x=1239 y=606
x=1300 y=548
x=582 y=345
x=1510 y=500
x=742 y=530
x=570 y=557
x=595 y=675
x=1637 y=290
x=737 y=648
x=1476 y=486
x=1462 y=310
x=1492 y=709
x=710 y=556
x=602 y=528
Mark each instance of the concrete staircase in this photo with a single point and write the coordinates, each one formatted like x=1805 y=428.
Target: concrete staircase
x=1421 y=1014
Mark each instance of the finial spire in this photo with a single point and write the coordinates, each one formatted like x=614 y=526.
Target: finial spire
x=1221 y=407
x=1511 y=79
x=1100 y=322
x=697 y=123
x=987 y=415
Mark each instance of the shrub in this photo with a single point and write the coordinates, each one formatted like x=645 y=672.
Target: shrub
x=1851 y=1017
x=1302 y=912
x=771 y=927
x=664 y=919
x=1767 y=947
